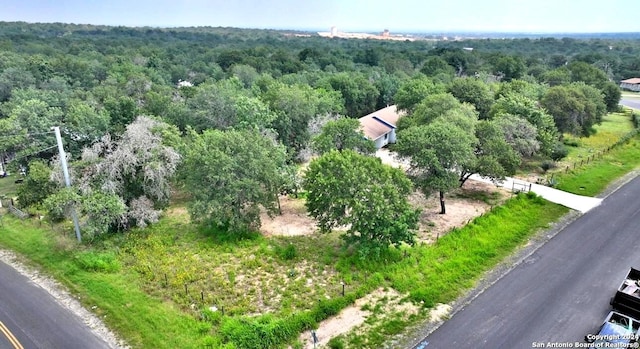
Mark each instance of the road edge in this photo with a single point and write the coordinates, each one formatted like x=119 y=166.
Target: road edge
x=414 y=336
x=63 y=297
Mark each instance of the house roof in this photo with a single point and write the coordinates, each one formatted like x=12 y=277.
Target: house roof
x=631 y=81
x=379 y=122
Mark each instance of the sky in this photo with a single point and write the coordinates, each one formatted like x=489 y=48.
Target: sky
x=522 y=16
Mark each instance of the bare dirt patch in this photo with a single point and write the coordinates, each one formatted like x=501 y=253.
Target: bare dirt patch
x=461 y=208
x=293 y=221
x=354 y=316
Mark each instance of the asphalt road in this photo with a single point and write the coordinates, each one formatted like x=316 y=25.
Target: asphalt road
x=30 y=318
x=631 y=103
x=562 y=291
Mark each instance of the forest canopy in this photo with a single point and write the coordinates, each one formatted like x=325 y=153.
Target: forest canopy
x=279 y=90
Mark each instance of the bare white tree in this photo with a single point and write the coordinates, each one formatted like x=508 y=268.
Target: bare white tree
x=137 y=167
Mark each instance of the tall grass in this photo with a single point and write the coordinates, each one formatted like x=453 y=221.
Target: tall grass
x=594 y=177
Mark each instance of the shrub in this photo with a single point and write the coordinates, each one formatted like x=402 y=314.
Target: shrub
x=571 y=142
x=547 y=165
x=559 y=152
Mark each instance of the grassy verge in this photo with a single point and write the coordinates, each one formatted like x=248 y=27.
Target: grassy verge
x=591 y=179
x=144 y=321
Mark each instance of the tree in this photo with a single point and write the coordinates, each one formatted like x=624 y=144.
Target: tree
x=494 y=157
x=346 y=189
x=359 y=94
x=508 y=67
x=137 y=168
x=519 y=133
x=296 y=106
x=230 y=175
x=342 y=134
x=528 y=109
x=98 y=211
x=436 y=65
x=474 y=92
x=436 y=151
x=226 y=105
x=413 y=91
x=575 y=107
x=435 y=106
x=37 y=185
x=558 y=76
x=587 y=73
x=612 y=95
x=531 y=90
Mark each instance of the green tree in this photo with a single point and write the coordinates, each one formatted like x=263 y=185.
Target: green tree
x=519 y=133
x=509 y=67
x=346 y=189
x=575 y=107
x=413 y=91
x=474 y=92
x=529 y=110
x=435 y=152
x=342 y=134
x=37 y=185
x=436 y=65
x=230 y=175
x=296 y=106
x=98 y=212
x=360 y=95
x=432 y=107
x=556 y=77
x=612 y=94
x=494 y=157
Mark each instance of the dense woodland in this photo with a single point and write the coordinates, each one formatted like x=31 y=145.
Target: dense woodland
x=226 y=115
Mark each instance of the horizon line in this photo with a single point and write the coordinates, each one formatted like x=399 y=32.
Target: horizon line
x=348 y=30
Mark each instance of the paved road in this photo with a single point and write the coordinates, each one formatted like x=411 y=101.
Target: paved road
x=631 y=103
x=562 y=291
x=30 y=318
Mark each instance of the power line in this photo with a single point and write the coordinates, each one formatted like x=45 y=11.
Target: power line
x=27 y=134
x=36 y=152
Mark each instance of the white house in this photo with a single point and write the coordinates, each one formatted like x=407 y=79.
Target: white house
x=380 y=126
x=632 y=84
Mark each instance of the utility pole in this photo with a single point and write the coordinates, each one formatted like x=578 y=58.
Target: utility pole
x=67 y=180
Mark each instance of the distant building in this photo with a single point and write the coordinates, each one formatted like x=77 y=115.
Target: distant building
x=632 y=84
x=386 y=33
x=334 y=31
x=380 y=126
x=184 y=83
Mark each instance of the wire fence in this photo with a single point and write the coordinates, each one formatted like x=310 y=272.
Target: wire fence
x=600 y=153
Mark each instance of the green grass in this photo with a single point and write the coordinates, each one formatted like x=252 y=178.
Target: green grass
x=144 y=321
x=8 y=187
x=591 y=179
x=613 y=127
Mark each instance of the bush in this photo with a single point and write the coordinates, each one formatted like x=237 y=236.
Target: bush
x=559 y=152
x=571 y=142
x=547 y=165
x=635 y=119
